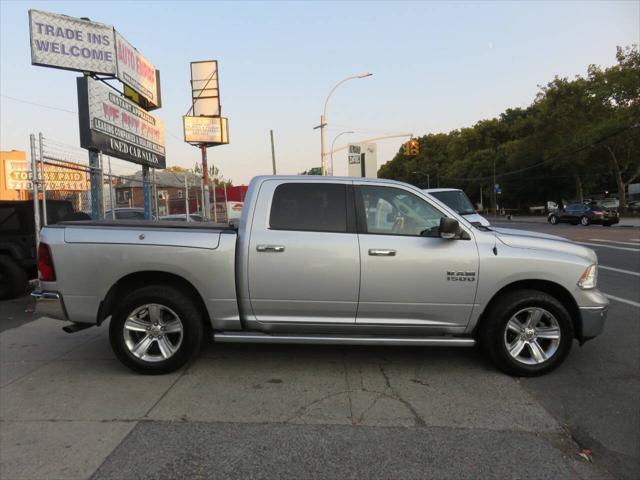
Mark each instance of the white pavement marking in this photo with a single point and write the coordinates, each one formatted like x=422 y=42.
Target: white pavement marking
x=635 y=244
x=623 y=300
x=619 y=270
x=637 y=250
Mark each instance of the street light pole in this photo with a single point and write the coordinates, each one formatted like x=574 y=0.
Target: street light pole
x=323 y=119
x=334 y=142
x=428 y=178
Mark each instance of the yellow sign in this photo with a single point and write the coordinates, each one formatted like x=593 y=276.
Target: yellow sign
x=18 y=177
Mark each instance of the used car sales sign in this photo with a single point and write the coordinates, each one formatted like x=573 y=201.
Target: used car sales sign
x=118 y=127
x=71 y=43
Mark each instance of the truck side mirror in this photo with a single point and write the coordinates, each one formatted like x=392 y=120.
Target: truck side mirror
x=449 y=228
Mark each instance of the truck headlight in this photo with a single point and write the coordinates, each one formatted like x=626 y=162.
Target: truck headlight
x=589 y=278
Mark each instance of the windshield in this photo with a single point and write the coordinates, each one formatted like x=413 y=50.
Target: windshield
x=457 y=200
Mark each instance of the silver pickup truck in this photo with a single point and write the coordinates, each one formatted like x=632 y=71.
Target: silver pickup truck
x=324 y=260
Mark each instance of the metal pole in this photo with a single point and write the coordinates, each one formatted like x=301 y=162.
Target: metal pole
x=146 y=186
x=96 y=187
x=215 y=203
x=155 y=193
x=205 y=176
x=481 y=204
x=428 y=181
x=495 y=194
x=226 y=203
x=202 y=196
x=43 y=180
x=34 y=185
x=102 y=183
x=323 y=163
x=186 y=198
x=273 y=153
x=113 y=207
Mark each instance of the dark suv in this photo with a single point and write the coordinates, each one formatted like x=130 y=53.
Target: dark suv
x=18 y=242
x=579 y=213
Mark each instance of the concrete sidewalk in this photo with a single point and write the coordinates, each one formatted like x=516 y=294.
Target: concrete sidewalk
x=70 y=410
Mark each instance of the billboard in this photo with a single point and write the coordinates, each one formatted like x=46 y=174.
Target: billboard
x=137 y=72
x=71 y=43
x=18 y=177
x=209 y=130
x=115 y=126
x=205 y=92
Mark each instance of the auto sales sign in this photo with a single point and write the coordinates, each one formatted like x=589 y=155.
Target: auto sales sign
x=115 y=126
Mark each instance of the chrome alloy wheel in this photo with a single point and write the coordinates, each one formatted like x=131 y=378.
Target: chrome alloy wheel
x=153 y=332
x=532 y=336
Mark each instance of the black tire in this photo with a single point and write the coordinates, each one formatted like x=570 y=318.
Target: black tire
x=13 y=278
x=168 y=297
x=491 y=335
x=584 y=221
x=553 y=220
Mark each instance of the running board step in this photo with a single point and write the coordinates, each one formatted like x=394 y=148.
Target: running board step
x=256 y=337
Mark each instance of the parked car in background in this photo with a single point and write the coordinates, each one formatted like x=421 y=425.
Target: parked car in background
x=182 y=217
x=456 y=199
x=125 y=213
x=18 y=242
x=633 y=207
x=579 y=213
x=544 y=209
x=607 y=203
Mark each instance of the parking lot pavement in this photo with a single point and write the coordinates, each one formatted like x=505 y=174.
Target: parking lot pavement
x=69 y=410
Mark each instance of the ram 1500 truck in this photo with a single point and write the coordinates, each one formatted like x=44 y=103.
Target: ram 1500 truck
x=324 y=260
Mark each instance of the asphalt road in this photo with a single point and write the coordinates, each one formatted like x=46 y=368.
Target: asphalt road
x=69 y=410
x=596 y=393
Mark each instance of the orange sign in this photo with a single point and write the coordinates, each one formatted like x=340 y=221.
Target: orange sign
x=18 y=177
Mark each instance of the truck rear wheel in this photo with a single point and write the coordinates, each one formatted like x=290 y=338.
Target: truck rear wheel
x=13 y=278
x=527 y=333
x=156 y=329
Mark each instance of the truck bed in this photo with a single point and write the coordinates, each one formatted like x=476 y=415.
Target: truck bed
x=148 y=224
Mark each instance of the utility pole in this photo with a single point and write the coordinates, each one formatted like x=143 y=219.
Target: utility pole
x=273 y=153
x=205 y=176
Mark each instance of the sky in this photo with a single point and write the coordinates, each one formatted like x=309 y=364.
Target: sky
x=437 y=66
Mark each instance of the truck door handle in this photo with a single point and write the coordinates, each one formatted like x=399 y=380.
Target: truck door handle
x=270 y=248
x=382 y=252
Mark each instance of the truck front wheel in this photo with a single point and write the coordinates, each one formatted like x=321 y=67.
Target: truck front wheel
x=156 y=329
x=526 y=333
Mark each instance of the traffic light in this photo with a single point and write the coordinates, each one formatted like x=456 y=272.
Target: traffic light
x=415 y=147
x=406 y=149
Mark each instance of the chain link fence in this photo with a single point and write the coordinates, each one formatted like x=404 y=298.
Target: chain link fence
x=63 y=181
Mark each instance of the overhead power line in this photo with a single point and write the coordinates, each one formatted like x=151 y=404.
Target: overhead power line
x=39 y=104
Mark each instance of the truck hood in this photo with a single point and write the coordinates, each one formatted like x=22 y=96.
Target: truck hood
x=542 y=241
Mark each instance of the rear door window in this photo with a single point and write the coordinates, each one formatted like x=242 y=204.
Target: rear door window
x=315 y=207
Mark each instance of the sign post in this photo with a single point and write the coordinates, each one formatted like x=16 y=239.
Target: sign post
x=205 y=128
